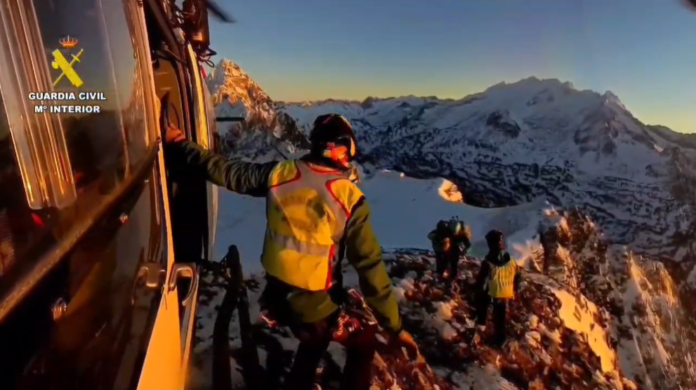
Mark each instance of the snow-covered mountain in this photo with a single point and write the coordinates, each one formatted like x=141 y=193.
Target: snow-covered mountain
x=622 y=249
x=235 y=94
x=510 y=144
x=534 y=138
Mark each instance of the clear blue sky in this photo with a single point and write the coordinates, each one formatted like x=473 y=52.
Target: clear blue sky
x=642 y=50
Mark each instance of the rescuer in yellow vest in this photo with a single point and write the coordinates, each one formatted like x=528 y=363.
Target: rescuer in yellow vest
x=497 y=282
x=315 y=214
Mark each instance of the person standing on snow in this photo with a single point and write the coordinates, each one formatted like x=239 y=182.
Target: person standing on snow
x=313 y=211
x=461 y=242
x=497 y=282
x=440 y=240
x=450 y=240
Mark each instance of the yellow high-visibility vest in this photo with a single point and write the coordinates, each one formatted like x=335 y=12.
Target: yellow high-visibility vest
x=501 y=281
x=307 y=210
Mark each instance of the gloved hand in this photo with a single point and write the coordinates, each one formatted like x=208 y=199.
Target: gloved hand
x=403 y=339
x=173 y=135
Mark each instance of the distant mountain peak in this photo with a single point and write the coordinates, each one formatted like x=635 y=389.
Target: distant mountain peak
x=228 y=82
x=235 y=94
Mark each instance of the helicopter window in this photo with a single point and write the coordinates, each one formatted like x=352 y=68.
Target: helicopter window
x=212 y=124
x=104 y=148
x=199 y=111
x=203 y=107
x=20 y=228
x=167 y=82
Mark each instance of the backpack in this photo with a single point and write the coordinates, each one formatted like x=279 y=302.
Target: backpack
x=457 y=228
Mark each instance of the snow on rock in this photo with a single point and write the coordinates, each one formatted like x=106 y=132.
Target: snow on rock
x=548 y=346
x=449 y=191
x=265 y=129
x=583 y=320
x=632 y=298
x=274 y=345
x=547 y=350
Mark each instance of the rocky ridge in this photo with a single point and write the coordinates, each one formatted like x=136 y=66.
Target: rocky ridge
x=590 y=315
x=637 y=299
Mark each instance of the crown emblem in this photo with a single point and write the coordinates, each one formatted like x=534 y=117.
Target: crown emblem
x=68 y=42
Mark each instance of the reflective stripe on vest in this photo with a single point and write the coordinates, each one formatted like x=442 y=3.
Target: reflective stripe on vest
x=305 y=224
x=502 y=280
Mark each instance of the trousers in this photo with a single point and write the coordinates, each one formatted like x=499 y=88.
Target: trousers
x=314 y=341
x=484 y=302
x=445 y=261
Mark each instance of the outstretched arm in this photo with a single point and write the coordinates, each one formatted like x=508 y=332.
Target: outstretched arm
x=365 y=254
x=432 y=235
x=238 y=176
x=466 y=241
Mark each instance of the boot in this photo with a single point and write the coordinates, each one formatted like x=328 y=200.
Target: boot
x=477 y=335
x=498 y=342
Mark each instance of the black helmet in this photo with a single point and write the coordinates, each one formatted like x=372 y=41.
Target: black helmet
x=329 y=134
x=495 y=239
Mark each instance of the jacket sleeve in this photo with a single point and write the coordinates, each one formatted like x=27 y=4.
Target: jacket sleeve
x=466 y=241
x=365 y=254
x=517 y=284
x=483 y=275
x=462 y=242
x=238 y=176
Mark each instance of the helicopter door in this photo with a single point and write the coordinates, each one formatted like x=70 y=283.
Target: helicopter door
x=201 y=134
x=205 y=131
x=162 y=367
x=213 y=190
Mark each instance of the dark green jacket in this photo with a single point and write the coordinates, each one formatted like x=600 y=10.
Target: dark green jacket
x=362 y=248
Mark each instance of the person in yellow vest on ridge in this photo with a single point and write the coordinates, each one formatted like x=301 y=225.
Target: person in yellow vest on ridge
x=315 y=214
x=497 y=282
